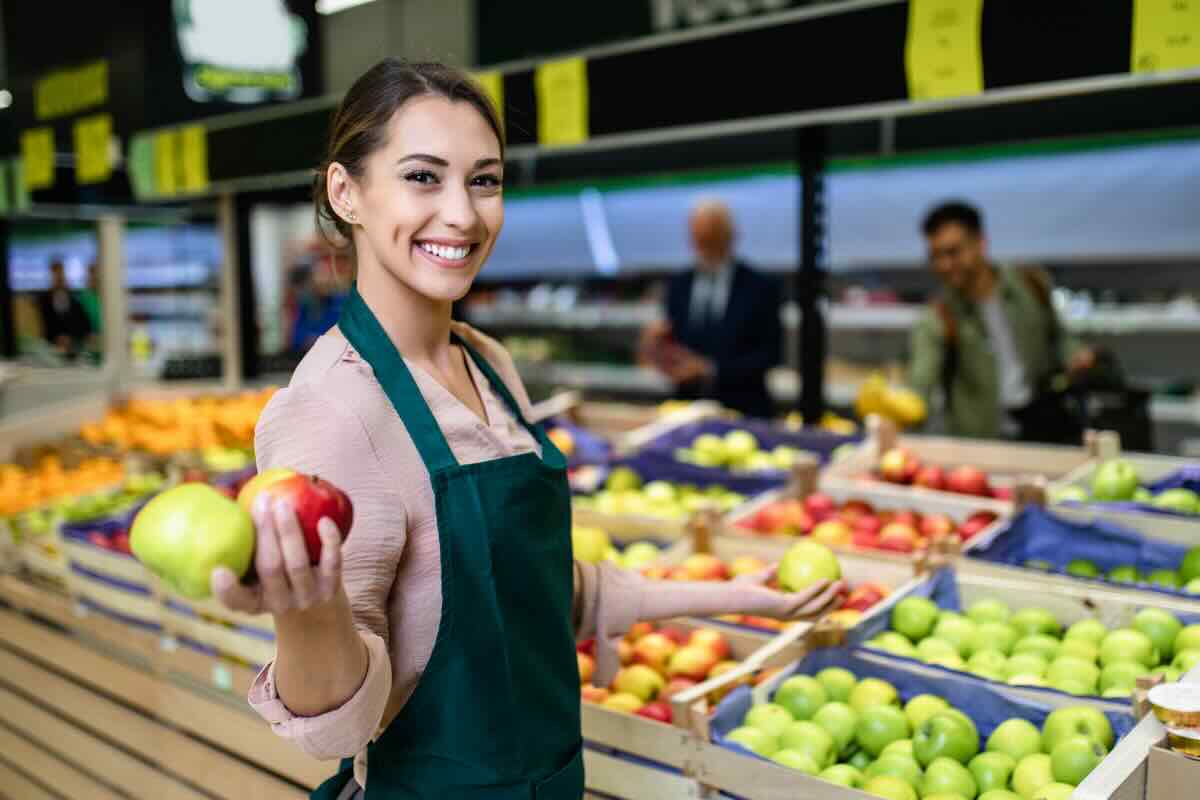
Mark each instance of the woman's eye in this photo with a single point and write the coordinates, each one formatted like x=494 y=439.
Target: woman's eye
x=487 y=181
x=422 y=176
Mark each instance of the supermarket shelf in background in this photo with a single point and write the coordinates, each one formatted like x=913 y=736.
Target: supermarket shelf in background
x=1131 y=319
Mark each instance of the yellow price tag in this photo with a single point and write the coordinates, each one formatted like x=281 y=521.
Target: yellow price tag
x=93 y=149
x=492 y=83
x=193 y=141
x=943 y=54
x=166 y=163
x=1166 y=35
x=562 y=101
x=37 y=153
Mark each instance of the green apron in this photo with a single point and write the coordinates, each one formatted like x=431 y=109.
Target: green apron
x=496 y=712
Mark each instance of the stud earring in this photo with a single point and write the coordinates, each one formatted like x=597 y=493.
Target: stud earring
x=350 y=215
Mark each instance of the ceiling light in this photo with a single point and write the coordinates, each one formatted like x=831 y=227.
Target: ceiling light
x=5 y=98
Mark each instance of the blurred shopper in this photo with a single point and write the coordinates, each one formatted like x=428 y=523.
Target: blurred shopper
x=65 y=322
x=722 y=330
x=991 y=342
x=317 y=308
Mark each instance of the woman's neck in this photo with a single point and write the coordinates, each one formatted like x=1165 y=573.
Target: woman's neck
x=418 y=326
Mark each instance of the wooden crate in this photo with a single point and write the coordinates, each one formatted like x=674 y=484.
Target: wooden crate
x=102 y=713
x=1150 y=468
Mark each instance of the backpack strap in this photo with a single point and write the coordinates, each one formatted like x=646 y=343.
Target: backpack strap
x=949 y=347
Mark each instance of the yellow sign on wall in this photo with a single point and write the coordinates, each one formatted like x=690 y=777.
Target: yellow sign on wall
x=943 y=54
x=1166 y=35
x=37 y=153
x=93 y=148
x=492 y=82
x=193 y=144
x=166 y=163
x=70 y=90
x=562 y=101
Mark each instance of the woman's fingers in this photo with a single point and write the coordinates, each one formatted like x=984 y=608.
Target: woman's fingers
x=268 y=560
x=822 y=601
x=296 y=565
x=233 y=594
x=329 y=570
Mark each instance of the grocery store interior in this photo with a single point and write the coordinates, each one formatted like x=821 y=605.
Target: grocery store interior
x=864 y=328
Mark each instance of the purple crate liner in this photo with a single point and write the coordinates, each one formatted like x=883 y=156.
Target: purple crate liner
x=119 y=617
x=653 y=466
x=986 y=706
x=769 y=436
x=230 y=479
x=109 y=580
x=1037 y=534
x=249 y=630
x=589 y=448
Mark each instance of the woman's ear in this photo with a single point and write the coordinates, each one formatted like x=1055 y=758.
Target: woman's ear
x=343 y=193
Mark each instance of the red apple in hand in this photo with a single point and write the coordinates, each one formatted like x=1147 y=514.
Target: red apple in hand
x=313 y=499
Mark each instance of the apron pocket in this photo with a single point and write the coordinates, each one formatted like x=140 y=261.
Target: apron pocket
x=566 y=784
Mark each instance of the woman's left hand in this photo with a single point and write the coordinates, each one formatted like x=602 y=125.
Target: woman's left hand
x=813 y=601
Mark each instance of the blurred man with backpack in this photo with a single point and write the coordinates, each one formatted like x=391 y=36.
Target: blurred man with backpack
x=990 y=344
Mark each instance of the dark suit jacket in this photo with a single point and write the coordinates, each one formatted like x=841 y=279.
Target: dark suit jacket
x=744 y=344
x=72 y=323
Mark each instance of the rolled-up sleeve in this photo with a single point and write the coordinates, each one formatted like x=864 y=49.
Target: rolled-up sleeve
x=302 y=430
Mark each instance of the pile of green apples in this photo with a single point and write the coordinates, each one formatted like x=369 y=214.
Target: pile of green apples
x=624 y=493
x=1118 y=481
x=738 y=451
x=1030 y=648
x=858 y=733
x=1184 y=579
x=594 y=545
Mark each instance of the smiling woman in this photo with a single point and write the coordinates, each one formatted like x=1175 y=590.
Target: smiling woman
x=434 y=649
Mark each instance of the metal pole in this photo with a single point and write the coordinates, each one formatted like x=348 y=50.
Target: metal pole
x=811 y=149
x=114 y=297
x=231 y=321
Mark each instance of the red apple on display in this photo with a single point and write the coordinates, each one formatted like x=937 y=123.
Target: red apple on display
x=976 y=523
x=936 y=526
x=712 y=640
x=898 y=466
x=819 y=506
x=587 y=647
x=868 y=523
x=658 y=711
x=854 y=510
x=968 y=480
x=677 y=635
x=906 y=517
x=693 y=661
x=898 y=537
x=865 y=540
x=832 y=532
x=930 y=477
x=654 y=650
x=705 y=567
x=313 y=499
x=677 y=685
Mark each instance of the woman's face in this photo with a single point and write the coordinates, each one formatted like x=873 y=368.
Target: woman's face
x=430 y=205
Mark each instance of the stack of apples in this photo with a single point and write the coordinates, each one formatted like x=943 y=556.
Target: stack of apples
x=857 y=523
x=1117 y=481
x=1029 y=647
x=185 y=533
x=656 y=664
x=900 y=465
x=1186 y=578
x=861 y=734
x=708 y=567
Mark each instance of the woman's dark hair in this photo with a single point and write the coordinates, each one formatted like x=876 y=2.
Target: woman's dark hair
x=360 y=125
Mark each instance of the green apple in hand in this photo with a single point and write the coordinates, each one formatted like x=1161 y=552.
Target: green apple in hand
x=806 y=563
x=914 y=617
x=185 y=533
x=947 y=776
x=992 y=770
x=1015 y=738
x=1032 y=773
x=1075 y=757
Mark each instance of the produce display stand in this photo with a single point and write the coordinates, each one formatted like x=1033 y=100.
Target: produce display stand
x=631 y=757
x=1141 y=766
x=1005 y=463
x=1150 y=468
x=99 y=708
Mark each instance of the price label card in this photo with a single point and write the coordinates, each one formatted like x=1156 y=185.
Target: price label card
x=93 y=149
x=193 y=142
x=140 y=164
x=166 y=163
x=562 y=102
x=1166 y=35
x=492 y=83
x=943 y=54
x=37 y=154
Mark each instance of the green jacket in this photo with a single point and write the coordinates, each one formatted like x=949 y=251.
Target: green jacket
x=974 y=405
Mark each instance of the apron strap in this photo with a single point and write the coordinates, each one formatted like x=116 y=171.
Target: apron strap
x=368 y=337
x=498 y=386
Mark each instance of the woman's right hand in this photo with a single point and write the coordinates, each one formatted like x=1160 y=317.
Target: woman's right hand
x=287 y=582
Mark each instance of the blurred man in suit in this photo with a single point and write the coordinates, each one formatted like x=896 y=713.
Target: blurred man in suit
x=722 y=330
x=65 y=323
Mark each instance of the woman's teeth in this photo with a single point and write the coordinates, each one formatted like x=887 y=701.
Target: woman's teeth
x=444 y=251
